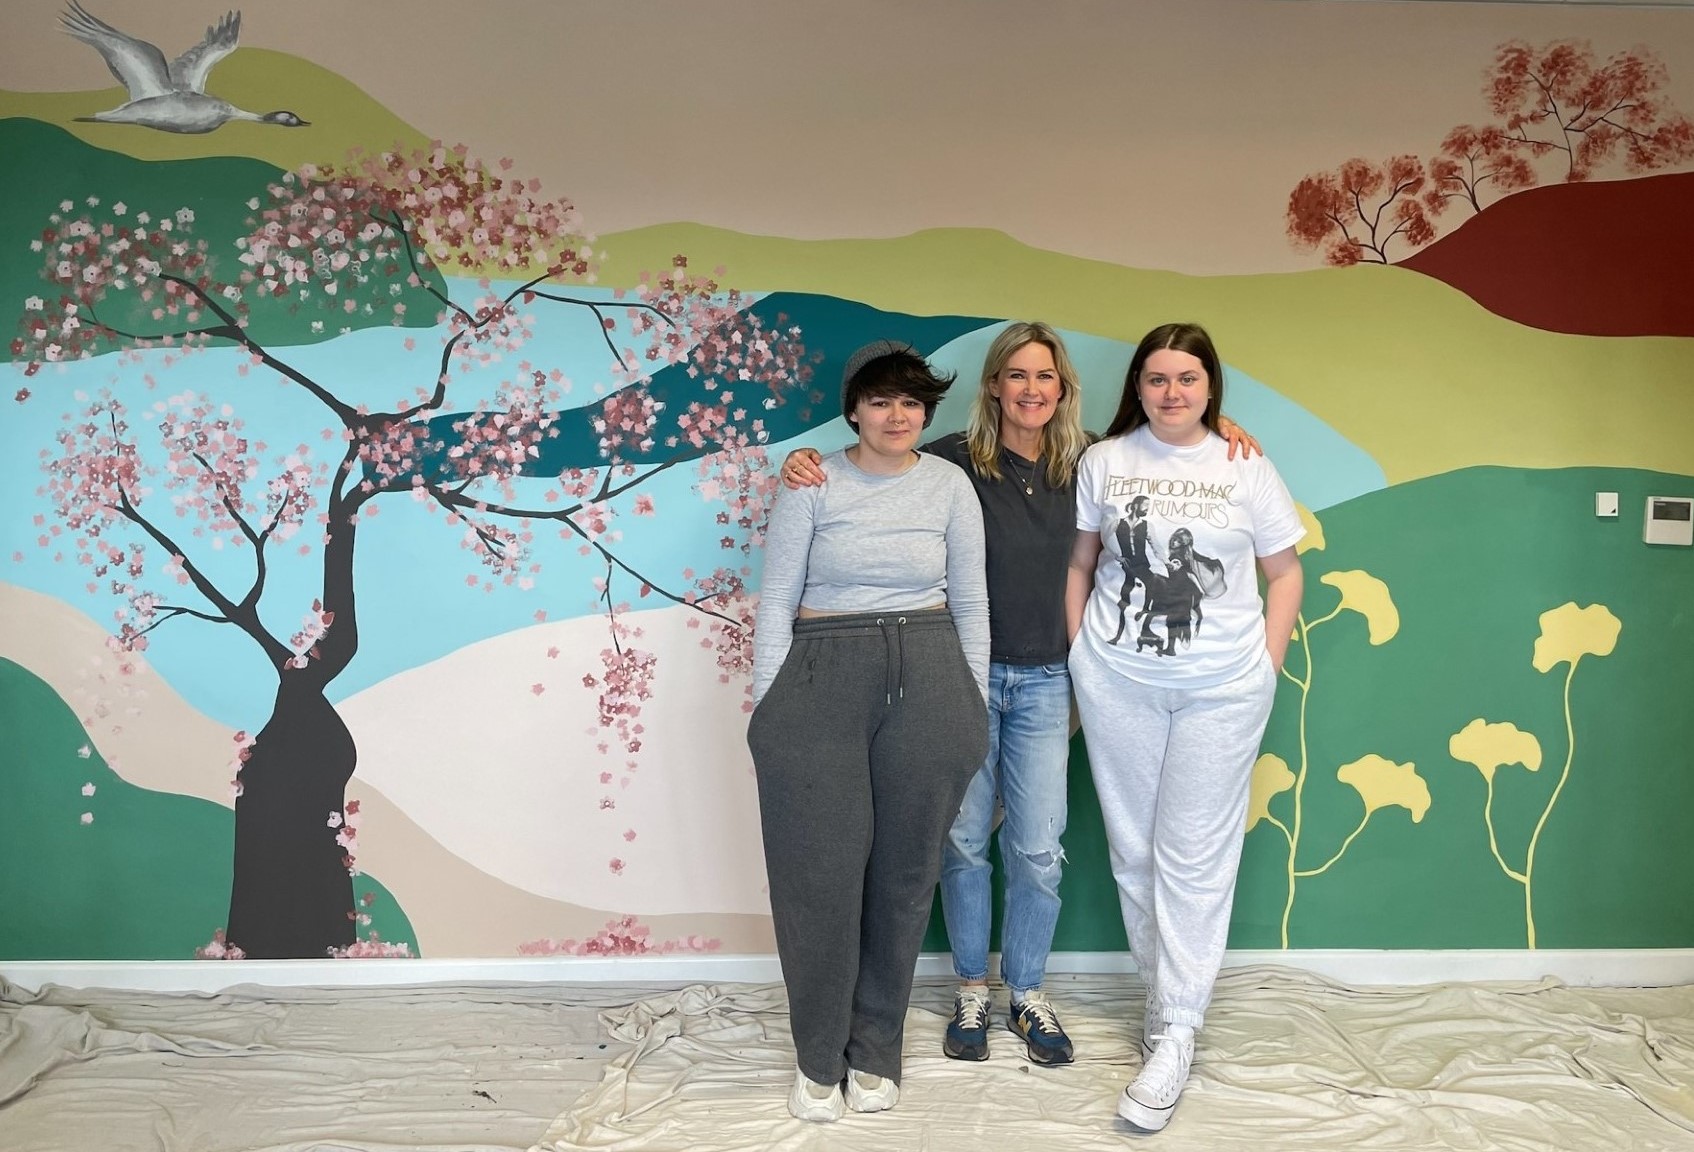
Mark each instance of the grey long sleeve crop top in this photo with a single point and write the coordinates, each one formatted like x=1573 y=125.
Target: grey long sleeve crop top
x=867 y=543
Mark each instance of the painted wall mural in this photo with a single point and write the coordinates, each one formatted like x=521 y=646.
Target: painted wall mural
x=383 y=538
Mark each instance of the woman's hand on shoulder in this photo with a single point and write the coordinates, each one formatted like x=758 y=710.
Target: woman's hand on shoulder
x=803 y=469
x=1239 y=438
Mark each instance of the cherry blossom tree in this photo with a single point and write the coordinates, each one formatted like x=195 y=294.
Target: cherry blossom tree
x=1355 y=213
x=1559 y=100
x=147 y=496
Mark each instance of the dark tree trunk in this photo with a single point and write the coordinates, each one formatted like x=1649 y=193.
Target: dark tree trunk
x=292 y=896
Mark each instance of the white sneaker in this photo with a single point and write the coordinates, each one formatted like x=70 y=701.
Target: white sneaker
x=810 y=1100
x=870 y=1093
x=1149 y=1101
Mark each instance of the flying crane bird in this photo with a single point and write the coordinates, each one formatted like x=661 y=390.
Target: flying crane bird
x=170 y=97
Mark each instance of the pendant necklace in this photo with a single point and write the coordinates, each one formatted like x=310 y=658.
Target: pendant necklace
x=1028 y=484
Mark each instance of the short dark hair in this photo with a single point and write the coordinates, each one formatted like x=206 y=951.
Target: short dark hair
x=1189 y=338
x=898 y=373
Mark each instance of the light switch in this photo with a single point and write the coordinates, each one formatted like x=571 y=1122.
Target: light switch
x=1605 y=504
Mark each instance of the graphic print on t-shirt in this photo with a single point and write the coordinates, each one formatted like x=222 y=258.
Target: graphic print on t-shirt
x=1174 y=578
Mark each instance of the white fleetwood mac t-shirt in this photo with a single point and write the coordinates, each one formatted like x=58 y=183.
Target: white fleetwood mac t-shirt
x=1176 y=592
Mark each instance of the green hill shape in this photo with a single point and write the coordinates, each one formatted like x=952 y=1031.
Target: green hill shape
x=147 y=879
x=1409 y=369
x=340 y=115
x=61 y=167
x=1471 y=558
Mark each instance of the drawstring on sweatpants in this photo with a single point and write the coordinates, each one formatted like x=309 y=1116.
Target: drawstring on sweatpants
x=894 y=680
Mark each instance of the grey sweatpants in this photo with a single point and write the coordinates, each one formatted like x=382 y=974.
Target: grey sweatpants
x=1173 y=768
x=863 y=747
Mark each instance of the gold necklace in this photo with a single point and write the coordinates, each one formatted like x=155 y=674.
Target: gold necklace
x=1028 y=484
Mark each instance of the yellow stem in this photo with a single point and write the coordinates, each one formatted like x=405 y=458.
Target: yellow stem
x=1340 y=852
x=1535 y=838
x=1305 y=633
x=1488 y=819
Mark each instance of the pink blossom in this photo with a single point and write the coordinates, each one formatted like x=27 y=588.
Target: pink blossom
x=622 y=936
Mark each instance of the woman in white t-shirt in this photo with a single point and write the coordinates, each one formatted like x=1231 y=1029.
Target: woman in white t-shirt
x=1173 y=710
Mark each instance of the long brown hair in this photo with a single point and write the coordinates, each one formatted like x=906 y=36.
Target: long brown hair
x=1189 y=338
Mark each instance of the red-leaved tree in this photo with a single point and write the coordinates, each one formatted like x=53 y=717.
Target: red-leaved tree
x=1560 y=100
x=148 y=495
x=1553 y=101
x=1474 y=162
x=1356 y=212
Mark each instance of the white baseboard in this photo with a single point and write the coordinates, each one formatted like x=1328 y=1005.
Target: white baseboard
x=1626 y=967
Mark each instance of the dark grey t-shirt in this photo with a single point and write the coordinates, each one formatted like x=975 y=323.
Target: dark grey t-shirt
x=1029 y=539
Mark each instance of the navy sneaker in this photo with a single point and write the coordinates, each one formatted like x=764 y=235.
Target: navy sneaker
x=967 y=1031
x=1034 y=1019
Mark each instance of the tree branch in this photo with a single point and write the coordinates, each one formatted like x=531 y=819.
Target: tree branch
x=223 y=498
x=172 y=612
x=242 y=617
x=457 y=501
x=344 y=412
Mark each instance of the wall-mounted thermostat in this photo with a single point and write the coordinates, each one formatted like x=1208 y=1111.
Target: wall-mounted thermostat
x=1670 y=520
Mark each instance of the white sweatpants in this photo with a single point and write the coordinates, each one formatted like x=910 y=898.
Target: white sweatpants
x=1172 y=768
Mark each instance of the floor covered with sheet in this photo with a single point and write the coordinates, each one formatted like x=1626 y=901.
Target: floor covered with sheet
x=1288 y=1061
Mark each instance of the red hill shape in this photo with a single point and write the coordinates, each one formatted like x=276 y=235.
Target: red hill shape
x=1611 y=258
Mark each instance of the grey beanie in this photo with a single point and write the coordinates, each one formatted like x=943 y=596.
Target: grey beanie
x=875 y=350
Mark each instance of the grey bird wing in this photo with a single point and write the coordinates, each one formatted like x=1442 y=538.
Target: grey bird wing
x=189 y=71
x=138 y=65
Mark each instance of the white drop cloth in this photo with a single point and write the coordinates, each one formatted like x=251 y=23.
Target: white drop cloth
x=1288 y=1061
x=449 y=1068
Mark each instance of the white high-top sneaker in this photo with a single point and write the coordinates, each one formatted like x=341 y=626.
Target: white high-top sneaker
x=1151 y=1098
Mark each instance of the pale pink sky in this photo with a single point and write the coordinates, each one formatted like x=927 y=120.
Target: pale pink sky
x=1155 y=133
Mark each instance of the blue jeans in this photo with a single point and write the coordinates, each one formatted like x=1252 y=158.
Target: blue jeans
x=1026 y=769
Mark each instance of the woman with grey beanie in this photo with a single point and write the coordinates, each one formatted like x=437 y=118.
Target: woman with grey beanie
x=870 y=670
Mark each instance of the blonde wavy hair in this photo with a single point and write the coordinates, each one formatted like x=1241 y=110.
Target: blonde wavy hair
x=1062 y=437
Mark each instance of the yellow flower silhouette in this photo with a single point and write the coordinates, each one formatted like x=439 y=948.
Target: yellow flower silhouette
x=1569 y=633
x=1491 y=746
x=1369 y=597
x=1381 y=783
x=1271 y=777
x=1312 y=541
